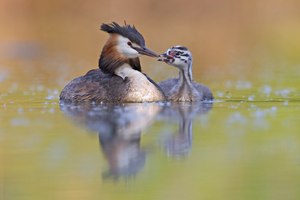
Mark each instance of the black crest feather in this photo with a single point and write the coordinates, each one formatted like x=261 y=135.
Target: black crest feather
x=127 y=31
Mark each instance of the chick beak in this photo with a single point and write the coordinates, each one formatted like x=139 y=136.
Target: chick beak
x=145 y=51
x=165 y=58
x=162 y=57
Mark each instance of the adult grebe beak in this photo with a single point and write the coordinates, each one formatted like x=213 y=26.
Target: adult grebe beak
x=146 y=51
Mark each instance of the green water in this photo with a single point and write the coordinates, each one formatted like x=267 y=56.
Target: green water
x=246 y=145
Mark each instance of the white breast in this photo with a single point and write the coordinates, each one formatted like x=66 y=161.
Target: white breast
x=141 y=89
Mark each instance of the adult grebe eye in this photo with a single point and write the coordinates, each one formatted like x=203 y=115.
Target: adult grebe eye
x=129 y=43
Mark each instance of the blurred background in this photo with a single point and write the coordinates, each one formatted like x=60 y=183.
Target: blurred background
x=229 y=39
x=246 y=147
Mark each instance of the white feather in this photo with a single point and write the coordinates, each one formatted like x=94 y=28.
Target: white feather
x=125 y=49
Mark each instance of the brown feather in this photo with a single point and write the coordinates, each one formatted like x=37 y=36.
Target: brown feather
x=111 y=59
x=135 y=63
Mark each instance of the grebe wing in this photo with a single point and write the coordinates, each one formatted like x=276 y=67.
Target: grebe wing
x=207 y=94
x=95 y=86
x=168 y=84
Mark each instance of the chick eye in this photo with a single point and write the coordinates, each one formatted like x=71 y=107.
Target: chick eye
x=129 y=43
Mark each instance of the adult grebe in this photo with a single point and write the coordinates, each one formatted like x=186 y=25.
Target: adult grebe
x=119 y=78
x=182 y=88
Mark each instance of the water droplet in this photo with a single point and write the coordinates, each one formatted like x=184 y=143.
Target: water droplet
x=285 y=103
x=251 y=98
x=19 y=122
x=266 y=89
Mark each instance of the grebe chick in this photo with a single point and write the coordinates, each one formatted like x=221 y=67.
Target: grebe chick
x=119 y=78
x=182 y=88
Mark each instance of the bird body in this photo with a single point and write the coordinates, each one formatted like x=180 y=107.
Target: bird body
x=183 y=88
x=119 y=78
x=173 y=91
x=98 y=87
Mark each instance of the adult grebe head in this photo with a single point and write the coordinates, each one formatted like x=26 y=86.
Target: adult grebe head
x=124 y=45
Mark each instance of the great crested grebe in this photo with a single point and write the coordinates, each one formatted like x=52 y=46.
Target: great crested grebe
x=119 y=78
x=182 y=88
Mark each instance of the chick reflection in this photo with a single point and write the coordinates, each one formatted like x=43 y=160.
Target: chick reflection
x=119 y=128
x=179 y=144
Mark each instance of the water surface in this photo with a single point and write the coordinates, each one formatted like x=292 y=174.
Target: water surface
x=235 y=148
